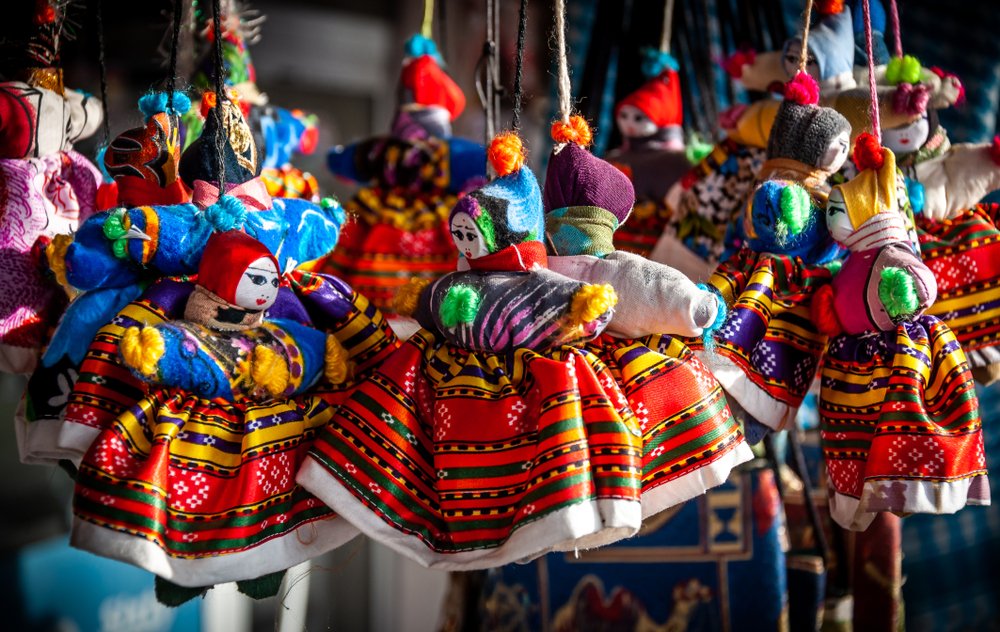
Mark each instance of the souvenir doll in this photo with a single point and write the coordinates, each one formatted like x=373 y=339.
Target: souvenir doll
x=487 y=438
x=409 y=181
x=900 y=419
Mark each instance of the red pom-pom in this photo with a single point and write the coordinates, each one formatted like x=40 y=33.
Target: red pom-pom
x=823 y=313
x=506 y=153
x=207 y=102
x=995 y=150
x=830 y=7
x=733 y=65
x=802 y=89
x=868 y=152
x=576 y=131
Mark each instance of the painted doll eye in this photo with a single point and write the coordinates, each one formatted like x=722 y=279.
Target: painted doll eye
x=458 y=235
x=274 y=282
x=257 y=279
x=470 y=236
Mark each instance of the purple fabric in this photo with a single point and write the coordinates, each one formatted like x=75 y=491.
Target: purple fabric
x=575 y=177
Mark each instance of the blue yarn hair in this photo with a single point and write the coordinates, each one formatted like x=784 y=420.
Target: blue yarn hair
x=708 y=335
x=226 y=214
x=655 y=61
x=99 y=159
x=915 y=191
x=418 y=46
x=155 y=102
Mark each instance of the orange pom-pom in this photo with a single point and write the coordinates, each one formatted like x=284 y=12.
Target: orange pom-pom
x=830 y=7
x=207 y=102
x=576 y=131
x=823 y=313
x=506 y=153
x=868 y=152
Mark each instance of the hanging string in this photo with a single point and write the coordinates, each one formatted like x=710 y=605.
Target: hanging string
x=804 y=53
x=175 y=39
x=488 y=75
x=220 y=97
x=668 y=26
x=522 y=26
x=894 y=16
x=427 y=28
x=876 y=122
x=103 y=70
x=564 y=86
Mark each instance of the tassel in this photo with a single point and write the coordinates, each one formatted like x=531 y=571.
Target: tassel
x=142 y=349
x=407 y=298
x=338 y=366
x=269 y=371
x=590 y=302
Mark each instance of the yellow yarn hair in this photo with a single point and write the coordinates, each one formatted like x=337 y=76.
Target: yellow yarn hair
x=407 y=297
x=590 y=302
x=56 y=255
x=871 y=192
x=269 y=370
x=142 y=349
x=338 y=364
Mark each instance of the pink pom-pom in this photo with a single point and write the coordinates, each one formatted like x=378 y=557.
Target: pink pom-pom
x=802 y=89
x=995 y=150
x=911 y=99
x=868 y=152
x=733 y=65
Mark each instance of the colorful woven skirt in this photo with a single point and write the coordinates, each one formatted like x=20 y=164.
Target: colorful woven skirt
x=768 y=351
x=690 y=441
x=397 y=235
x=964 y=255
x=900 y=424
x=201 y=492
x=464 y=460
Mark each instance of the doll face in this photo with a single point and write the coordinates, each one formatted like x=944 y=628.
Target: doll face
x=632 y=123
x=467 y=237
x=791 y=61
x=907 y=139
x=837 y=220
x=836 y=153
x=258 y=287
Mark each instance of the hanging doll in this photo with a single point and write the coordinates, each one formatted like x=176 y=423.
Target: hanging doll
x=47 y=188
x=196 y=481
x=652 y=151
x=410 y=180
x=586 y=199
x=900 y=419
x=485 y=438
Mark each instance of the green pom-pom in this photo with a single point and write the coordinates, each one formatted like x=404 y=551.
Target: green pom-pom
x=904 y=69
x=697 y=149
x=114 y=225
x=796 y=208
x=898 y=293
x=460 y=305
x=262 y=587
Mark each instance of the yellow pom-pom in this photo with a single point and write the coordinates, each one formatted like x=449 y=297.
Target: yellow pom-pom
x=142 y=349
x=407 y=297
x=338 y=364
x=576 y=131
x=269 y=371
x=506 y=153
x=590 y=302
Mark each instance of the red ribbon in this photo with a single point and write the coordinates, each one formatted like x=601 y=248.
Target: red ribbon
x=517 y=258
x=252 y=193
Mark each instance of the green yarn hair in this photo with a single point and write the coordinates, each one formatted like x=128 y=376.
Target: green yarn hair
x=460 y=305
x=898 y=293
x=794 y=214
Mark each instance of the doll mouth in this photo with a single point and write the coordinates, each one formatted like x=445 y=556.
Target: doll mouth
x=261 y=301
x=904 y=141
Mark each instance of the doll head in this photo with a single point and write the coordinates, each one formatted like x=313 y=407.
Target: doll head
x=781 y=219
x=240 y=75
x=240 y=152
x=504 y=213
x=831 y=50
x=816 y=136
x=909 y=137
x=238 y=279
x=853 y=206
x=655 y=110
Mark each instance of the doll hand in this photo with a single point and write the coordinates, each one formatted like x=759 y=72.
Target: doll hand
x=591 y=302
x=898 y=292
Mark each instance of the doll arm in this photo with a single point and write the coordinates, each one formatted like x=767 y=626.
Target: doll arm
x=906 y=286
x=958 y=180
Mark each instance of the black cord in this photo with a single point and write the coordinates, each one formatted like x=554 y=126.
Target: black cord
x=522 y=23
x=106 y=125
x=220 y=97
x=175 y=38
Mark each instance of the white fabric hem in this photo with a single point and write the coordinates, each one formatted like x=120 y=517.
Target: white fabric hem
x=755 y=401
x=696 y=483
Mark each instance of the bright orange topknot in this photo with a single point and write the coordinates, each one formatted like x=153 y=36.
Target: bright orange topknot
x=506 y=153
x=576 y=131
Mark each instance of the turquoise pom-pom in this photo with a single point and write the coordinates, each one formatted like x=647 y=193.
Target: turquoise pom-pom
x=655 y=61
x=915 y=191
x=708 y=335
x=418 y=46
x=226 y=214
x=155 y=102
x=334 y=210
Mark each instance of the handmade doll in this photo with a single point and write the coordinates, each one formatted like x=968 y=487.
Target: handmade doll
x=410 y=180
x=219 y=434
x=900 y=419
x=485 y=439
x=652 y=152
x=586 y=199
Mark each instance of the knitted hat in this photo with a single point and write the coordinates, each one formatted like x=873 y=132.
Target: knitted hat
x=873 y=190
x=423 y=82
x=576 y=177
x=240 y=154
x=508 y=210
x=802 y=130
x=831 y=42
x=224 y=260
x=659 y=99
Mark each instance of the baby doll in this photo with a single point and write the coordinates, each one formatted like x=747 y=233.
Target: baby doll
x=485 y=438
x=219 y=433
x=900 y=420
